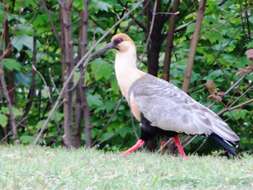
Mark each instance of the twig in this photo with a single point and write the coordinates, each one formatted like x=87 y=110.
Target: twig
x=152 y=23
x=200 y=146
x=49 y=15
x=10 y=132
x=141 y=25
x=110 y=119
x=234 y=85
x=243 y=94
x=167 y=13
x=83 y=61
x=235 y=107
x=44 y=81
x=164 y=145
x=121 y=15
x=230 y=89
x=190 y=139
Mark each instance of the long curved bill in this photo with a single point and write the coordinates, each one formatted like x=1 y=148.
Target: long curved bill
x=102 y=51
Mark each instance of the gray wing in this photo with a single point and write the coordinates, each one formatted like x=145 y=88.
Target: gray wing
x=169 y=108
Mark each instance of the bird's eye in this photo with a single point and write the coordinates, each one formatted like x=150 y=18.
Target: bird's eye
x=118 y=40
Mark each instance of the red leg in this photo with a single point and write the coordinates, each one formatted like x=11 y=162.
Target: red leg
x=179 y=146
x=135 y=147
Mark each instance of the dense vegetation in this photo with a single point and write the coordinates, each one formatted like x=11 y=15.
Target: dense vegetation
x=41 y=41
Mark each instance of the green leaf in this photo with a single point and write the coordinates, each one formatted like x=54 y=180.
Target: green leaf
x=123 y=131
x=40 y=124
x=26 y=139
x=103 y=6
x=17 y=112
x=11 y=64
x=94 y=100
x=106 y=136
x=4 y=110
x=19 y=41
x=24 y=29
x=45 y=92
x=237 y=114
x=78 y=4
x=57 y=117
x=114 y=86
x=101 y=69
x=250 y=44
x=1 y=13
x=3 y=120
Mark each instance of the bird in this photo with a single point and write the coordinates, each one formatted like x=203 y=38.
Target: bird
x=163 y=108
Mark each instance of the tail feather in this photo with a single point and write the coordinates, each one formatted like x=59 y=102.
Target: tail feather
x=230 y=147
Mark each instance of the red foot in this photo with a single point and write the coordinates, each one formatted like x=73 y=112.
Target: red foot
x=135 y=147
x=179 y=147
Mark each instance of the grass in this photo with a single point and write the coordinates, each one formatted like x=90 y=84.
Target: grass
x=34 y=167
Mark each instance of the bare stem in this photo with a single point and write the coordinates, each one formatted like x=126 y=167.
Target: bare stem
x=83 y=61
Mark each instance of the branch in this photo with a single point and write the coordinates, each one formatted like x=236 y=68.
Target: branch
x=6 y=52
x=141 y=25
x=193 y=46
x=53 y=28
x=235 y=107
x=189 y=139
x=82 y=62
x=169 y=45
x=152 y=23
x=125 y=8
x=32 y=88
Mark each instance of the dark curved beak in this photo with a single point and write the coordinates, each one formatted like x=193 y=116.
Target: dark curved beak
x=110 y=45
x=102 y=51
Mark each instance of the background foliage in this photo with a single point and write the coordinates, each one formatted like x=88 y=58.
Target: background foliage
x=226 y=33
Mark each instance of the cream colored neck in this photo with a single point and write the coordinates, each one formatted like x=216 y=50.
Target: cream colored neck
x=126 y=69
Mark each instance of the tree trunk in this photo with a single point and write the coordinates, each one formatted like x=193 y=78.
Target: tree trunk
x=193 y=46
x=8 y=96
x=70 y=139
x=156 y=37
x=82 y=105
x=169 y=44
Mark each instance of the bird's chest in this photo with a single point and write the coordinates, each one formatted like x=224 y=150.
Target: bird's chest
x=134 y=108
x=124 y=84
x=124 y=87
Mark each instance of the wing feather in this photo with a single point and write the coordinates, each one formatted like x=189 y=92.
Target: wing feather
x=169 y=108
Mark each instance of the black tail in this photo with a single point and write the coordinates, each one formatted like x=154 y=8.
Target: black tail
x=229 y=147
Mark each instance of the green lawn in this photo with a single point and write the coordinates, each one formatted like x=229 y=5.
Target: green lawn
x=45 y=168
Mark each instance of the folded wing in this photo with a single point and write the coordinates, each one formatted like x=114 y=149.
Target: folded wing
x=169 y=108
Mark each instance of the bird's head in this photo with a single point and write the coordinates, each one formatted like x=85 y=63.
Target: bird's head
x=122 y=42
